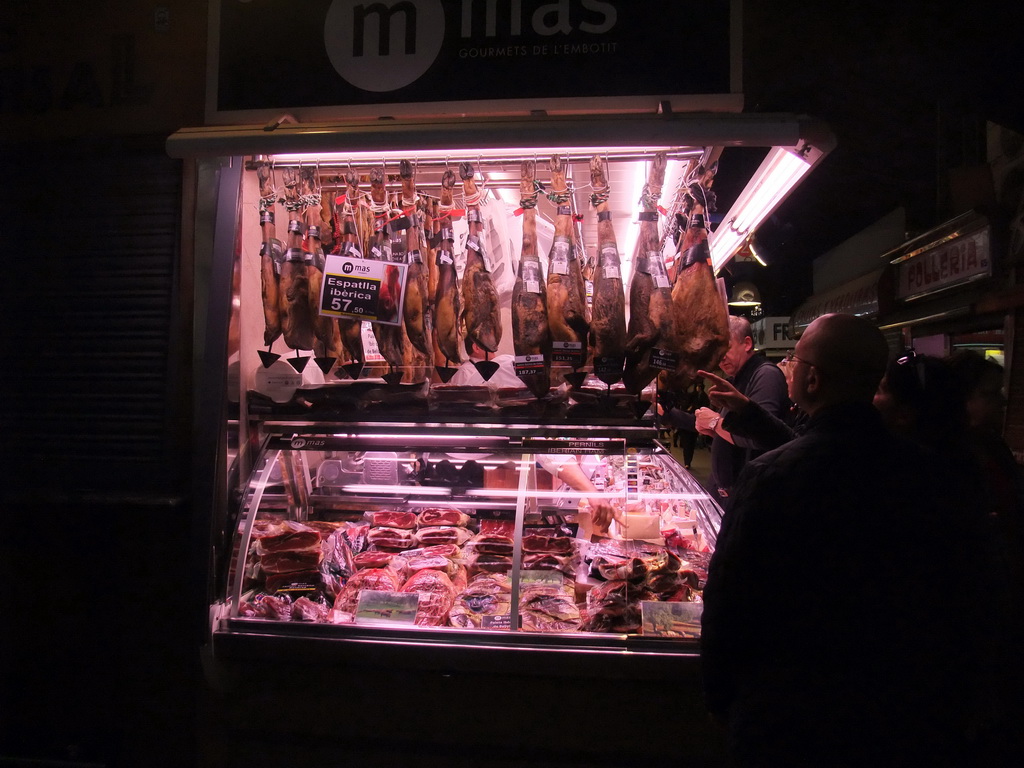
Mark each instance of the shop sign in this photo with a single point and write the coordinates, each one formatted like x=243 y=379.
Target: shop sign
x=958 y=261
x=284 y=55
x=772 y=333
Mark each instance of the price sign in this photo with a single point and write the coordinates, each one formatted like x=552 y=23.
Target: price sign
x=363 y=288
x=389 y=607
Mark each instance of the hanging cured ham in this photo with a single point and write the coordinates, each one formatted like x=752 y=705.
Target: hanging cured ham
x=701 y=317
x=389 y=337
x=530 y=336
x=567 y=299
x=293 y=298
x=651 y=328
x=608 y=312
x=481 y=317
x=324 y=327
x=447 y=303
x=271 y=255
x=347 y=242
x=415 y=308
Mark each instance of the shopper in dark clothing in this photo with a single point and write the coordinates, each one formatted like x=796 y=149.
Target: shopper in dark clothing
x=834 y=615
x=761 y=381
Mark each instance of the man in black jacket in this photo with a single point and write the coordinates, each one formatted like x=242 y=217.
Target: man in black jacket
x=833 y=632
x=761 y=381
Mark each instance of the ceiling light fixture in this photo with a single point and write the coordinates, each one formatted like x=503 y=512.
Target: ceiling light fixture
x=778 y=175
x=745 y=294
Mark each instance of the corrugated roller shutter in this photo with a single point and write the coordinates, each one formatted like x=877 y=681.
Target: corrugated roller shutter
x=91 y=397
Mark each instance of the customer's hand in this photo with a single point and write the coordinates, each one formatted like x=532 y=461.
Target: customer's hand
x=722 y=393
x=705 y=420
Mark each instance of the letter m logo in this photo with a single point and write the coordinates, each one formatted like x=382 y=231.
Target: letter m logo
x=383 y=15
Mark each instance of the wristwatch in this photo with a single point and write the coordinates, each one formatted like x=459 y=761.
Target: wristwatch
x=713 y=424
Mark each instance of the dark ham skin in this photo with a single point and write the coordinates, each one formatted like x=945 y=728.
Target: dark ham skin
x=701 y=317
x=567 y=299
x=389 y=337
x=414 y=310
x=608 y=313
x=325 y=328
x=447 y=297
x=651 y=319
x=530 y=333
x=269 y=254
x=481 y=313
x=293 y=297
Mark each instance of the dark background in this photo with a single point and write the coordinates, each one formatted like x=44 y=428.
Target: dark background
x=905 y=87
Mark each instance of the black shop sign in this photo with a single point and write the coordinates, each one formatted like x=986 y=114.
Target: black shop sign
x=292 y=54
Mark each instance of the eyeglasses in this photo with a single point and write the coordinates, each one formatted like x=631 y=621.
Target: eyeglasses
x=793 y=357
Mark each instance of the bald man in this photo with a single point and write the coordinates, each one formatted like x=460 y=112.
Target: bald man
x=829 y=614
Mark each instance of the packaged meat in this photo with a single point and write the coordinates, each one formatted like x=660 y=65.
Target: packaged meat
x=286 y=562
x=614 y=606
x=391 y=518
x=305 y=609
x=477 y=562
x=538 y=542
x=263 y=606
x=442 y=534
x=391 y=538
x=540 y=561
x=372 y=559
x=442 y=516
x=337 y=563
x=436 y=596
x=380 y=579
x=287 y=535
x=491 y=544
x=486 y=594
x=549 y=607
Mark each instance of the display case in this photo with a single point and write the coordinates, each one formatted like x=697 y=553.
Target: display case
x=469 y=534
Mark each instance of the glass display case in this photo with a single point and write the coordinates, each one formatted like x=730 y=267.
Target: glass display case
x=466 y=533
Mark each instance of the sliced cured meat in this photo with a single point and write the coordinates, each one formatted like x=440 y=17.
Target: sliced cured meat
x=486 y=594
x=391 y=538
x=287 y=536
x=477 y=562
x=548 y=562
x=393 y=518
x=379 y=579
x=491 y=543
x=277 y=608
x=548 y=608
x=539 y=542
x=287 y=561
x=442 y=516
x=436 y=596
x=614 y=607
x=505 y=528
x=442 y=534
x=372 y=559
x=305 y=609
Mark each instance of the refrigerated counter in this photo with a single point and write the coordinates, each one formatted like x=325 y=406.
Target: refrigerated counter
x=460 y=536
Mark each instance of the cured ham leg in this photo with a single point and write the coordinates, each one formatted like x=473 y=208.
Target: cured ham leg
x=346 y=242
x=447 y=298
x=701 y=317
x=414 y=310
x=481 y=316
x=567 y=301
x=651 y=320
x=389 y=337
x=608 y=313
x=530 y=336
x=293 y=298
x=324 y=327
x=271 y=255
